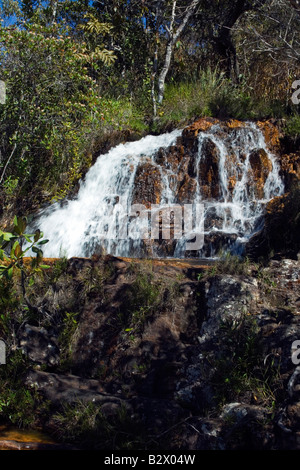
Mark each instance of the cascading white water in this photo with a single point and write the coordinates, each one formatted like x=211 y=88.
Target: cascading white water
x=239 y=211
x=94 y=218
x=76 y=228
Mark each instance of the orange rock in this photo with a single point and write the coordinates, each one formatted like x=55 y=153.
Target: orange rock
x=234 y=123
x=147 y=185
x=202 y=124
x=290 y=167
x=271 y=134
x=191 y=132
x=231 y=183
x=261 y=166
x=187 y=190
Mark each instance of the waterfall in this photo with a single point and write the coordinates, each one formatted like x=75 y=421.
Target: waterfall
x=103 y=217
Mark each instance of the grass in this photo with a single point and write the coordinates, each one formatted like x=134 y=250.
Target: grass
x=227 y=263
x=141 y=301
x=292 y=126
x=239 y=365
x=18 y=405
x=86 y=425
x=214 y=95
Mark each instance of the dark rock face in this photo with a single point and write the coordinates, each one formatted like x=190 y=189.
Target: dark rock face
x=39 y=345
x=181 y=363
x=280 y=233
x=209 y=177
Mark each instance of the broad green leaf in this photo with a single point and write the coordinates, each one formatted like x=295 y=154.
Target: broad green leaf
x=7 y=236
x=20 y=224
x=43 y=242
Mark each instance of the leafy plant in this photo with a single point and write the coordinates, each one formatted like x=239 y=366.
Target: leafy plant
x=17 y=403
x=51 y=109
x=12 y=252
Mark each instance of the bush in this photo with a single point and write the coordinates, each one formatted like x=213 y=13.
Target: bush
x=292 y=126
x=51 y=108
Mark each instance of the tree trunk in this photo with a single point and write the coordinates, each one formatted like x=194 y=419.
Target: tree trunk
x=164 y=72
x=225 y=49
x=53 y=6
x=173 y=36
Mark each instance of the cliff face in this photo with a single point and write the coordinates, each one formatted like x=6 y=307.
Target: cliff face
x=174 y=354
x=169 y=344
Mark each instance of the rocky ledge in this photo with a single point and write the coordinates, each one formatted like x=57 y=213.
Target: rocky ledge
x=196 y=357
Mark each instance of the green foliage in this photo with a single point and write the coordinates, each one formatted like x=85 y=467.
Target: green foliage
x=66 y=336
x=94 y=30
x=212 y=94
x=292 y=126
x=142 y=300
x=227 y=263
x=188 y=100
x=52 y=104
x=12 y=252
x=17 y=403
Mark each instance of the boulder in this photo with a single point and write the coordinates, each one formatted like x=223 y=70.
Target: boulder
x=39 y=345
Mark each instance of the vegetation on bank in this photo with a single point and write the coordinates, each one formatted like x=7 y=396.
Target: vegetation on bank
x=75 y=73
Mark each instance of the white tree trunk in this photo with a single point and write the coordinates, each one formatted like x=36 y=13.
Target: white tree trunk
x=164 y=72
x=173 y=37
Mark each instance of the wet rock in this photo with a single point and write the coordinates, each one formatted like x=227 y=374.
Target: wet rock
x=261 y=166
x=187 y=190
x=189 y=135
x=209 y=178
x=272 y=135
x=147 y=185
x=290 y=169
